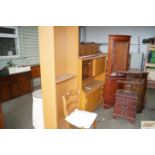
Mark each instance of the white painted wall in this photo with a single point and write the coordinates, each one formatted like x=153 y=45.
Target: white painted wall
x=100 y=34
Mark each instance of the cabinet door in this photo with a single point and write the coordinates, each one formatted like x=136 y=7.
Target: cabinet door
x=1 y=118
x=24 y=83
x=120 y=56
x=14 y=90
x=98 y=66
x=87 y=71
x=110 y=88
x=5 y=91
x=109 y=93
x=94 y=99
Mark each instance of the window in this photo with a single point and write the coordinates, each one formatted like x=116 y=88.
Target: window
x=8 y=42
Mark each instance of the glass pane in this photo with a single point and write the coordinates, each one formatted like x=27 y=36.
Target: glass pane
x=7 y=30
x=7 y=47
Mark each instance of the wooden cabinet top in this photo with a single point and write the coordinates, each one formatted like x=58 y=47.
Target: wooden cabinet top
x=120 y=37
x=93 y=56
x=133 y=72
x=26 y=73
x=34 y=65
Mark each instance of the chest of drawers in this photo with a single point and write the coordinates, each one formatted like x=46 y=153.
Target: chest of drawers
x=125 y=106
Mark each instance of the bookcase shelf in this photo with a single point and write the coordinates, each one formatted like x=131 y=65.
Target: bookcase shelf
x=64 y=77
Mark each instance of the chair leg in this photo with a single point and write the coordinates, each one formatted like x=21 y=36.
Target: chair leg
x=94 y=124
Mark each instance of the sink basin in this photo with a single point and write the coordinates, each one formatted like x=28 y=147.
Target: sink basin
x=13 y=70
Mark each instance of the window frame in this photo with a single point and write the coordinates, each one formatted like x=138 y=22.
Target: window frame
x=15 y=36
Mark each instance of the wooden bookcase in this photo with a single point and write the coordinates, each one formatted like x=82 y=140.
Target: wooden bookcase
x=150 y=68
x=118 y=54
x=91 y=79
x=59 y=47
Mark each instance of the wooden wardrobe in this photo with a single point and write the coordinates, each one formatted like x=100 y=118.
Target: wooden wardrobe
x=118 y=53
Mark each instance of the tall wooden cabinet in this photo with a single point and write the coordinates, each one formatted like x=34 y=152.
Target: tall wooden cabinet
x=118 y=53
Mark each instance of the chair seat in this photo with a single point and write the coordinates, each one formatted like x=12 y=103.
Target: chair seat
x=81 y=119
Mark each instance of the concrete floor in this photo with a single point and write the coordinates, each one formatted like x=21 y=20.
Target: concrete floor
x=18 y=114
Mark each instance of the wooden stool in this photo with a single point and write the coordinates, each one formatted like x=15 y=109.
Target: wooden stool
x=125 y=105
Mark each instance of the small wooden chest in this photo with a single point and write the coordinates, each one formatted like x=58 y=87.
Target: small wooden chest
x=125 y=105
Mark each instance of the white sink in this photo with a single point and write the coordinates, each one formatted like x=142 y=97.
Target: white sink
x=13 y=70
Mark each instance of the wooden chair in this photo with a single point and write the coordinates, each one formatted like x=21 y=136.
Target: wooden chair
x=75 y=117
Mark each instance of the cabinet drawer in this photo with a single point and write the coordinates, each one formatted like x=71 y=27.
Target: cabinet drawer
x=125 y=111
x=125 y=107
x=123 y=101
